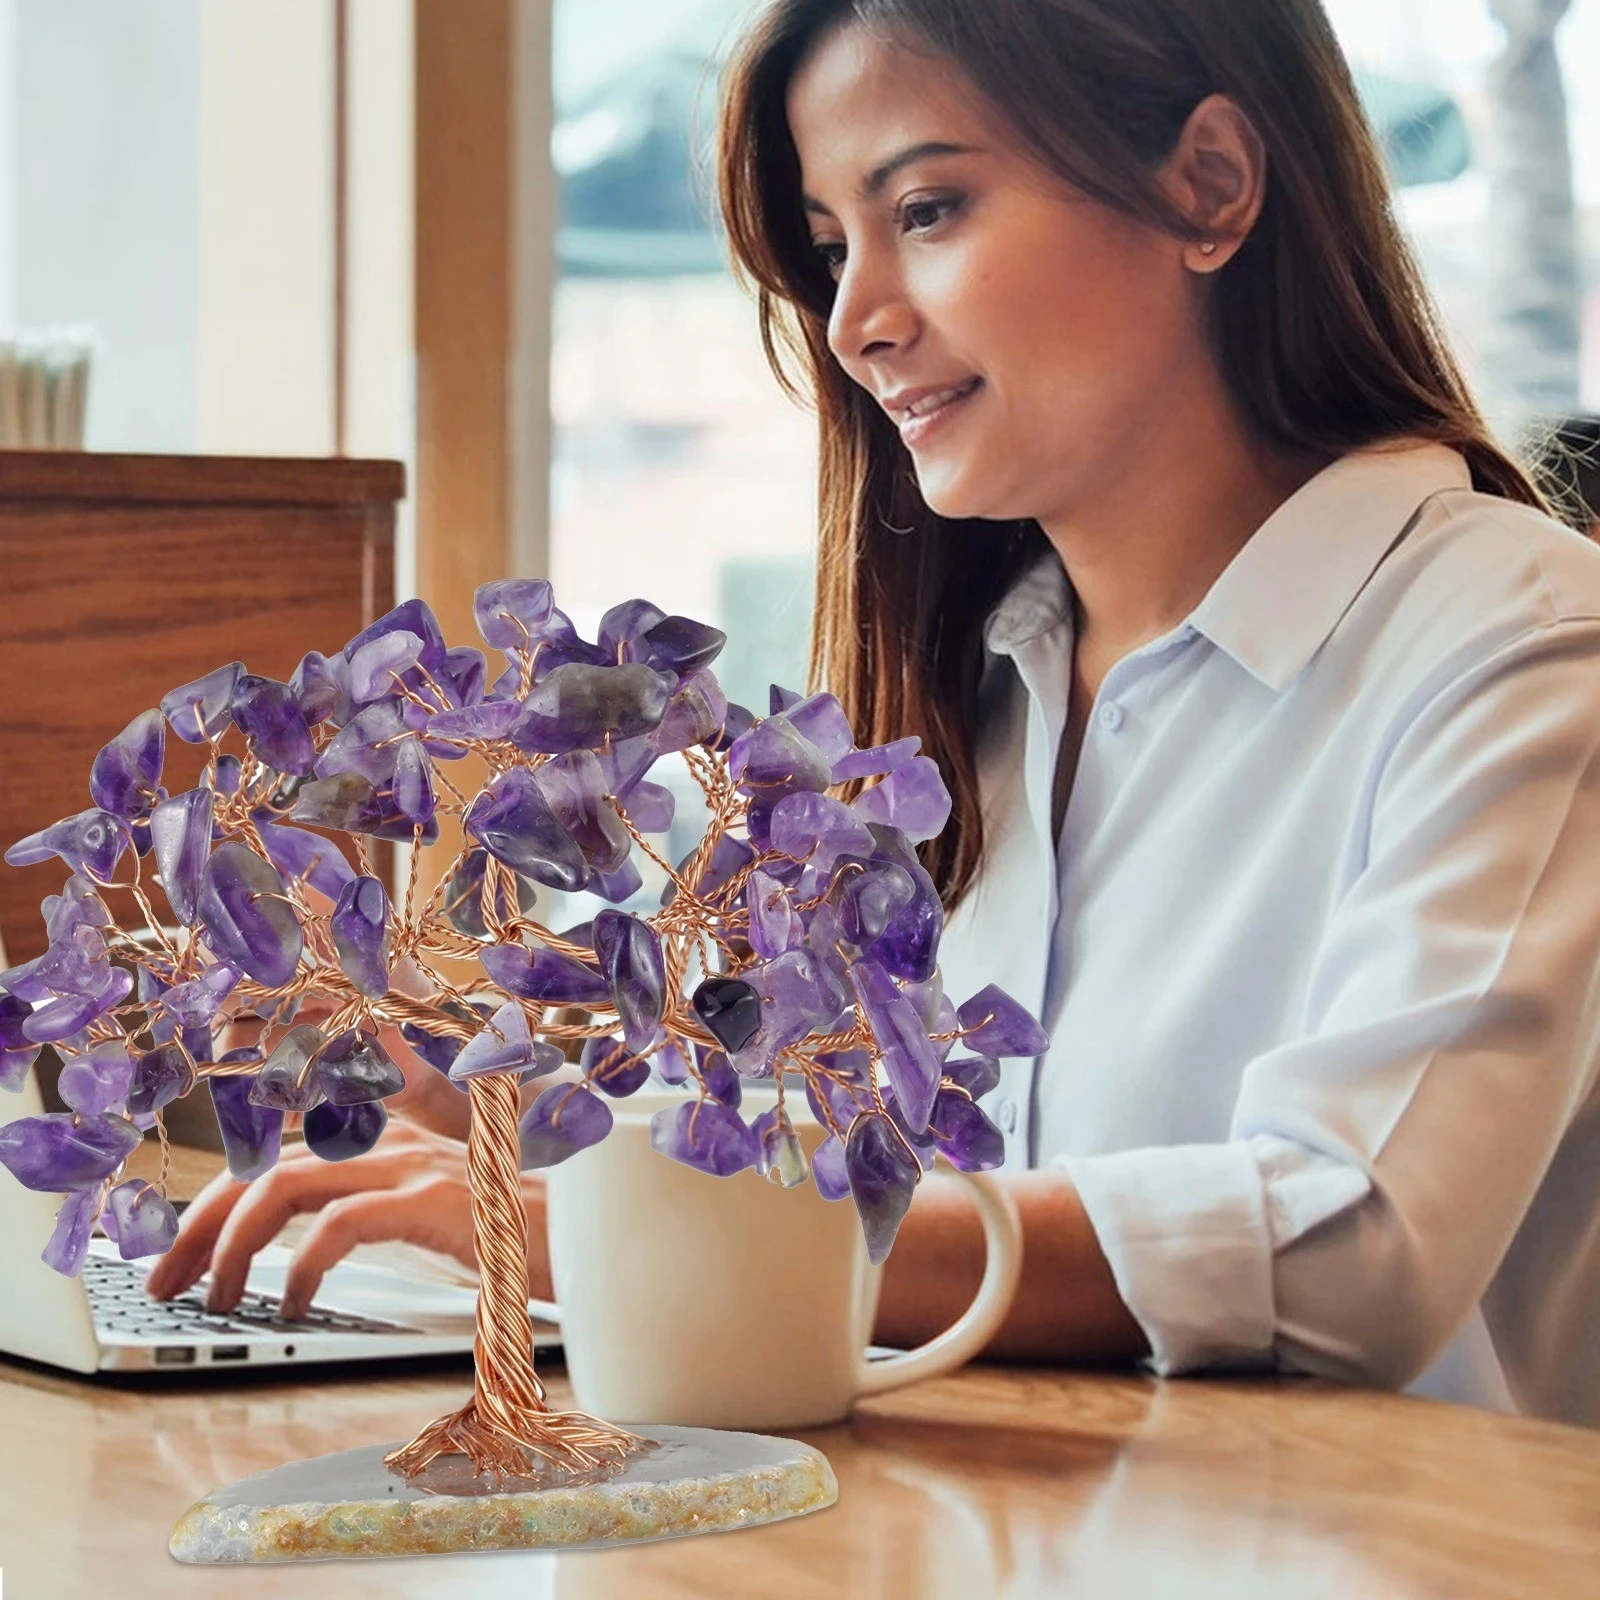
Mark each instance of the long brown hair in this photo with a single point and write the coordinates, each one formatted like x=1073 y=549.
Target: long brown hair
x=1320 y=324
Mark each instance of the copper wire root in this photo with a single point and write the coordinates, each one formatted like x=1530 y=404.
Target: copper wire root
x=507 y=1430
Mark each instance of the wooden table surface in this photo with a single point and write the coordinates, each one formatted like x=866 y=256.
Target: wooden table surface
x=994 y=1482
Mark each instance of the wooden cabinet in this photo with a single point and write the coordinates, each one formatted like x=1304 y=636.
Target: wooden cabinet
x=124 y=576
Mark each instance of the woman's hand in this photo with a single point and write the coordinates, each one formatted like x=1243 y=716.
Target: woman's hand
x=412 y=1187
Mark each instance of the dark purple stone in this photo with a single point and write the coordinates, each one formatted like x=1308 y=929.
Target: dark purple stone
x=267 y=713
x=828 y=1169
x=251 y=1134
x=651 y=807
x=247 y=917
x=565 y=1119
x=411 y=616
x=318 y=690
x=623 y=623
x=883 y=1177
x=773 y=757
x=466 y=673
x=867 y=897
x=412 y=785
x=60 y=1019
x=909 y=947
x=90 y=842
x=617 y=887
x=382 y=666
x=17 y=1051
x=577 y=706
x=195 y=1004
x=731 y=1009
x=336 y=1133
x=720 y=1081
x=492 y=720
x=298 y=854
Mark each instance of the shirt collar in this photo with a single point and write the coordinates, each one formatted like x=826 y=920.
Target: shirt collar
x=1282 y=595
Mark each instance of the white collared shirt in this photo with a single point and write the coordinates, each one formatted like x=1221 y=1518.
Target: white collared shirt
x=1319 y=949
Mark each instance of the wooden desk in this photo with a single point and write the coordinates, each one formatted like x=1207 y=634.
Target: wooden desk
x=994 y=1482
x=128 y=575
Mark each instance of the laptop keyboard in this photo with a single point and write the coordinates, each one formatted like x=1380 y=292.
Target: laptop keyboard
x=122 y=1308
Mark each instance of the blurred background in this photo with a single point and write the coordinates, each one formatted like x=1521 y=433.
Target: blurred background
x=475 y=235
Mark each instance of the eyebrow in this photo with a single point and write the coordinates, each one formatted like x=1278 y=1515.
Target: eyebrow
x=873 y=185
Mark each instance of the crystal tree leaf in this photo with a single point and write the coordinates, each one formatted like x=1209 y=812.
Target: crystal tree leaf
x=269 y=715
x=565 y=1119
x=247 y=916
x=180 y=833
x=577 y=706
x=708 y=1136
x=359 y=925
x=126 y=776
x=634 y=967
x=514 y=823
x=337 y=1133
x=251 y=1133
x=908 y=1054
x=146 y=1224
x=996 y=1025
x=883 y=1176
x=60 y=1151
x=197 y=711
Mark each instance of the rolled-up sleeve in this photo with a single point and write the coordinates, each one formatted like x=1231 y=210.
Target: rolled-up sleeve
x=1379 y=1164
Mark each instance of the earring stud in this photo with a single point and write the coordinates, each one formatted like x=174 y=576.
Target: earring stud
x=1209 y=247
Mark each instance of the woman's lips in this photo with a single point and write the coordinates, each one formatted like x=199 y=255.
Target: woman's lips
x=918 y=420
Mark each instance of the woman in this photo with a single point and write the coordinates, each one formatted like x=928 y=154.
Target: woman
x=1268 y=695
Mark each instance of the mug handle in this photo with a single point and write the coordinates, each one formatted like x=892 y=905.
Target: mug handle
x=972 y=1330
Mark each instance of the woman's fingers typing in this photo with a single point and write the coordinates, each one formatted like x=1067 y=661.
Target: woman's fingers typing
x=434 y=1211
x=230 y=1222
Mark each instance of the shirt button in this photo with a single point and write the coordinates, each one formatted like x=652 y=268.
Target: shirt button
x=1008 y=1116
x=1111 y=716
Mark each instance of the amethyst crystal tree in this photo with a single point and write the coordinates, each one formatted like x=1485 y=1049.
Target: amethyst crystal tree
x=798 y=943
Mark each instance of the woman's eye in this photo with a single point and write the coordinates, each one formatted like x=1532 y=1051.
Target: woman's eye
x=830 y=253
x=917 y=216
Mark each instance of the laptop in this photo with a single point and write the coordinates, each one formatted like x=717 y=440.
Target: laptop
x=104 y=1322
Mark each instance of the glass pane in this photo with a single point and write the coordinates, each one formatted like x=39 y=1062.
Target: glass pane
x=1489 y=113
x=681 y=472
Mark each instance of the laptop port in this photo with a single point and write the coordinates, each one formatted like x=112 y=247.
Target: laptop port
x=230 y=1352
x=175 y=1355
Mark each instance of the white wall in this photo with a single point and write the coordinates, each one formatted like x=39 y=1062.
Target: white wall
x=100 y=101
x=264 y=355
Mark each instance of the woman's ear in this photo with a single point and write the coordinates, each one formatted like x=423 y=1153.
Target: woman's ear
x=1217 y=177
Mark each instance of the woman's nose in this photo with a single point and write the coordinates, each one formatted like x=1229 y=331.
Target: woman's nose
x=871 y=315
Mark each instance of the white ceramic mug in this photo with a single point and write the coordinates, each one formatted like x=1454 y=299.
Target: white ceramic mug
x=731 y=1302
